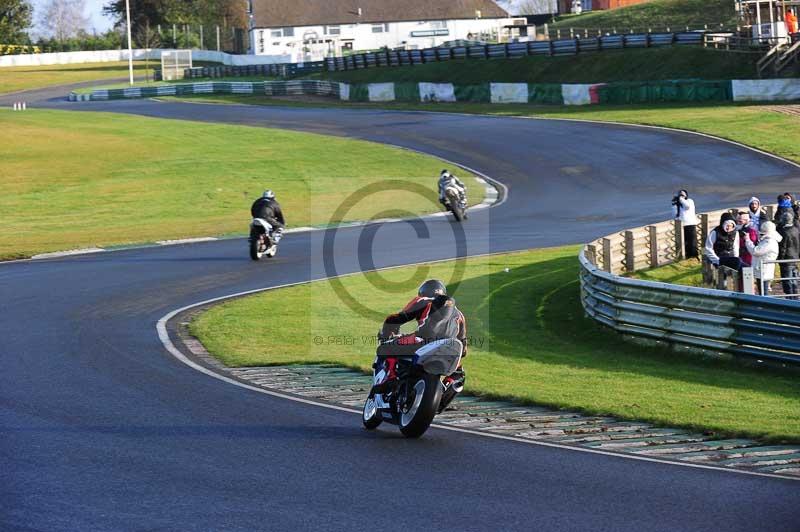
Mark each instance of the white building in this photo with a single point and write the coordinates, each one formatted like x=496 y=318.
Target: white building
x=310 y=30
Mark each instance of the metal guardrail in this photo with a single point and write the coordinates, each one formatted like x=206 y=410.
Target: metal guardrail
x=700 y=319
x=571 y=46
x=695 y=319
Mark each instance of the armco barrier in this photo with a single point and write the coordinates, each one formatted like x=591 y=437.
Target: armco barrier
x=690 y=318
x=570 y=46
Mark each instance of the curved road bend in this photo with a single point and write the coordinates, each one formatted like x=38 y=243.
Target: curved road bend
x=102 y=430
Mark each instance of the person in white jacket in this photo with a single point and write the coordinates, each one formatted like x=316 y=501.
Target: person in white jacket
x=684 y=211
x=766 y=250
x=757 y=214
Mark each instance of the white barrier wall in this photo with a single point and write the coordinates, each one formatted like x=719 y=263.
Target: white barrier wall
x=437 y=92
x=754 y=90
x=381 y=92
x=509 y=92
x=109 y=56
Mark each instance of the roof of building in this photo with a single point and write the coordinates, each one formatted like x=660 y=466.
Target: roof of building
x=278 y=13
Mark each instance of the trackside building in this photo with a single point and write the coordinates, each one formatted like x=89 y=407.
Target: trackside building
x=310 y=30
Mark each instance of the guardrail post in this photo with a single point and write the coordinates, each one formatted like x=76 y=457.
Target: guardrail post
x=653 y=230
x=679 y=240
x=607 y=264
x=591 y=253
x=770 y=212
x=630 y=249
x=703 y=229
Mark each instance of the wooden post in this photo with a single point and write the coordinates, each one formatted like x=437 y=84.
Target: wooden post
x=630 y=252
x=607 y=264
x=679 y=241
x=591 y=253
x=653 y=230
x=770 y=212
x=703 y=231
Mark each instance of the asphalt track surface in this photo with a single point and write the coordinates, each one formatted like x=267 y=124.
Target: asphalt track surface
x=100 y=429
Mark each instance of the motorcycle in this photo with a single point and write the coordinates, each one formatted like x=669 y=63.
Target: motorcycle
x=454 y=203
x=262 y=242
x=420 y=390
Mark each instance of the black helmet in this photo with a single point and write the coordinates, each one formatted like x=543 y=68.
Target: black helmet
x=432 y=288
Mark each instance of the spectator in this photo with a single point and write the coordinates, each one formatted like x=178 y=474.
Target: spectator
x=745 y=229
x=684 y=211
x=722 y=245
x=791 y=22
x=766 y=250
x=789 y=249
x=757 y=215
x=785 y=203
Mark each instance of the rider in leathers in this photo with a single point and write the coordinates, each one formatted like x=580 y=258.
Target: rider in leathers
x=267 y=208
x=437 y=318
x=446 y=179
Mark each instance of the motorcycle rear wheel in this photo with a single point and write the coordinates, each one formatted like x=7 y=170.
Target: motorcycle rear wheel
x=255 y=249
x=417 y=415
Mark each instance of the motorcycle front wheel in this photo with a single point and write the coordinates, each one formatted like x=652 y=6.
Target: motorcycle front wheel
x=420 y=405
x=371 y=416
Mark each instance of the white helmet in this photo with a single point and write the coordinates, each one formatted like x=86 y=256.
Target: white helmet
x=268 y=194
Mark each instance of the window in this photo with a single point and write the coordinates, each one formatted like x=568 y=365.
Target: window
x=380 y=28
x=261 y=41
x=250 y=6
x=333 y=30
x=439 y=24
x=282 y=32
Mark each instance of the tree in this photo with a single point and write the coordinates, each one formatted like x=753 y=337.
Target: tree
x=15 y=18
x=63 y=19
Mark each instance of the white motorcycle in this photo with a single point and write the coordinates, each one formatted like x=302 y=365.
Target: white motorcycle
x=262 y=240
x=418 y=392
x=454 y=203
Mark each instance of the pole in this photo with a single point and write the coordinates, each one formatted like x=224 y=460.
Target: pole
x=130 y=46
x=201 y=37
x=218 y=48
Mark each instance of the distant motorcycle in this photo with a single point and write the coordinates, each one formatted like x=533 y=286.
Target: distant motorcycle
x=419 y=391
x=454 y=203
x=261 y=240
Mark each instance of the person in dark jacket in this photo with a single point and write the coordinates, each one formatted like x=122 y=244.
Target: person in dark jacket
x=722 y=245
x=437 y=317
x=785 y=203
x=267 y=208
x=789 y=249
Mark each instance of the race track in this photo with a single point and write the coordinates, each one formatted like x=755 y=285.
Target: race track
x=103 y=430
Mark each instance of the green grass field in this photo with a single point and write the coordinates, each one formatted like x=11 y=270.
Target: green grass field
x=614 y=65
x=115 y=179
x=686 y=272
x=530 y=342
x=13 y=79
x=656 y=14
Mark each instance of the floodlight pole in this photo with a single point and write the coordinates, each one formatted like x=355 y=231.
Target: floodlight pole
x=130 y=46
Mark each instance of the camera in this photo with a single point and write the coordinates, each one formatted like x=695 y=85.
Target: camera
x=675 y=200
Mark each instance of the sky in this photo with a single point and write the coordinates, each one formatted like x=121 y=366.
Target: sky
x=94 y=10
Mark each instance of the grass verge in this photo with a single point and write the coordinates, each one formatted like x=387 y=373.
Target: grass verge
x=122 y=179
x=686 y=272
x=673 y=62
x=530 y=342
x=13 y=79
x=656 y=14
